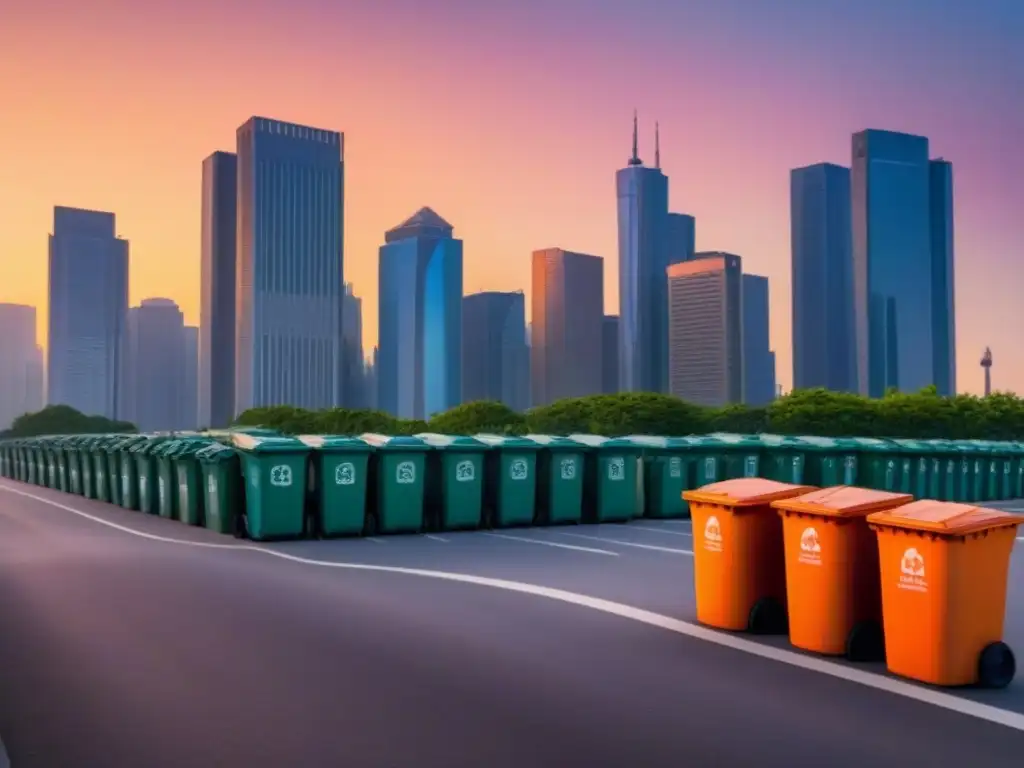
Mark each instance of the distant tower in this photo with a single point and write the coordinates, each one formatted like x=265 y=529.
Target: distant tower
x=986 y=363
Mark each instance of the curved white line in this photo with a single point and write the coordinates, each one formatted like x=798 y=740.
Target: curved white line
x=878 y=682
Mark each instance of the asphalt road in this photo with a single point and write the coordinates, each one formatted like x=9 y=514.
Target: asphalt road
x=120 y=650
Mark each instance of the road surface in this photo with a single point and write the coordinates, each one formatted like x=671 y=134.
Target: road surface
x=121 y=647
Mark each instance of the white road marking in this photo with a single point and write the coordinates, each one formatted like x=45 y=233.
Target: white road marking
x=653 y=529
x=823 y=666
x=677 y=522
x=621 y=543
x=375 y=541
x=528 y=540
x=5 y=761
x=433 y=537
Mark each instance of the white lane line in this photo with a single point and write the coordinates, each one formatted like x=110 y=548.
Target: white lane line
x=433 y=537
x=677 y=522
x=375 y=541
x=590 y=550
x=621 y=543
x=5 y=761
x=663 y=531
x=818 y=664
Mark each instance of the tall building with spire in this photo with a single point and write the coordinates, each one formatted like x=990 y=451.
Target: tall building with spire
x=644 y=255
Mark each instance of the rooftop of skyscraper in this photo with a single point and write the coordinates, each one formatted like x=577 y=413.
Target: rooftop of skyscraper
x=424 y=223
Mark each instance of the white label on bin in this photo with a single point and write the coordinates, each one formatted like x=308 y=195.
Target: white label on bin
x=345 y=474
x=849 y=470
x=183 y=497
x=616 y=468
x=465 y=472
x=142 y=484
x=162 y=490
x=126 y=483
x=1006 y=468
x=712 y=535
x=675 y=467
x=810 y=547
x=405 y=473
x=567 y=469
x=281 y=476
x=912 y=571
x=750 y=467
x=518 y=469
x=710 y=468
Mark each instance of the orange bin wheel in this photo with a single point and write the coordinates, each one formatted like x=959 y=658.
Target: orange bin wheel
x=739 y=568
x=832 y=581
x=944 y=570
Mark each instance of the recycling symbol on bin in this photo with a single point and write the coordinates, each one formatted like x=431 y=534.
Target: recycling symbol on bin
x=281 y=476
x=675 y=467
x=405 y=473
x=616 y=468
x=345 y=474
x=568 y=469
x=465 y=472
x=518 y=470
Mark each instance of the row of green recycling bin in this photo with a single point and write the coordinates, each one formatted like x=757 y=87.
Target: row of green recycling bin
x=265 y=486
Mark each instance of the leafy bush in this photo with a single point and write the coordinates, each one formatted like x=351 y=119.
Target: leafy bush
x=804 y=412
x=64 y=420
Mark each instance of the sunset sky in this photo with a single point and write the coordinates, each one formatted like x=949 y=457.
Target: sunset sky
x=509 y=118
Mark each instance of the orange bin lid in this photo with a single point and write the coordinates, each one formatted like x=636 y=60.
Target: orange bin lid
x=745 y=492
x=843 y=501
x=945 y=518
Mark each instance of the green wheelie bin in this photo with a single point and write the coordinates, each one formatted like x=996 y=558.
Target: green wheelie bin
x=877 y=463
x=73 y=449
x=187 y=484
x=830 y=461
x=914 y=467
x=454 y=482
x=223 y=488
x=275 y=486
x=613 y=479
x=336 y=486
x=974 y=469
x=166 y=487
x=100 y=478
x=999 y=468
x=740 y=455
x=397 y=491
x=49 y=450
x=559 y=480
x=948 y=470
x=666 y=473
x=510 y=482
x=783 y=458
x=143 y=454
x=61 y=453
x=1017 y=472
x=122 y=461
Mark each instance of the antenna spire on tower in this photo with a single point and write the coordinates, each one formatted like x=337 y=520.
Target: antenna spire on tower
x=657 y=147
x=635 y=159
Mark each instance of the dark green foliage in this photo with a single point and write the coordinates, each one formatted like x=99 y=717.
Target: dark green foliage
x=804 y=412
x=64 y=420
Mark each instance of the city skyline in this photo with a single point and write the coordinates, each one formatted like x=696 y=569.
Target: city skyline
x=732 y=180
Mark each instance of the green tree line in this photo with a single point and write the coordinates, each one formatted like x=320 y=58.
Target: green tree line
x=920 y=415
x=63 y=420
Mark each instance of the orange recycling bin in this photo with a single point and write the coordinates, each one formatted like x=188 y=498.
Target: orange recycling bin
x=739 y=569
x=832 y=579
x=944 y=570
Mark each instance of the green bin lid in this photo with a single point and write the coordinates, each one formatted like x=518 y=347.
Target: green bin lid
x=337 y=443
x=215 y=453
x=394 y=443
x=911 y=445
x=770 y=440
x=267 y=443
x=732 y=440
x=554 y=442
x=872 y=444
x=507 y=441
x=656 y=442
x=600 y=441
x=453 y=442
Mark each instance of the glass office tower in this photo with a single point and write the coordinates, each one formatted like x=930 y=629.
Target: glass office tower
x=943 y=282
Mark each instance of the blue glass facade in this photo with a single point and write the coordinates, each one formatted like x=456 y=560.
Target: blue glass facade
x=758 y=360
x=495 y=356
x=419 y=370
x=943 y=282
x=644 y=255
x=892 y=258
x=289 y=346
x=682 y=237
x=822 y=278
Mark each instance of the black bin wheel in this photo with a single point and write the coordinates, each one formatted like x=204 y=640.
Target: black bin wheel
x=768 y=617
x=996 y=666
x=866 y=642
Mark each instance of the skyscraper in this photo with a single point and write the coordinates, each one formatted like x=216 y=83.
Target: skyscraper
x=567 y=316
x=892 y=259
x=20 y=380
x=495 y=357
x=290 y=273
x=354 y=390
x=644 y=254
x=758 y=358
x=190 y=398
x=156 y=392
x=88 y=311
x=610 y=355
x=824 y=346
x=682 y=237
x=419 y=371
x=705 y=329
x=217 y=291
x=943 y=277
